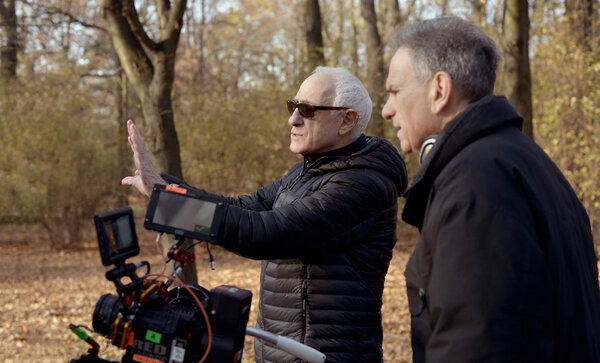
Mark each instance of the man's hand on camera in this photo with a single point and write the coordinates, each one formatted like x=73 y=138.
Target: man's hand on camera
x=145 y=174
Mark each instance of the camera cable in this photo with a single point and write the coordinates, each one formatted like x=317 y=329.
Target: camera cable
x=200 y=306
x=211 y=259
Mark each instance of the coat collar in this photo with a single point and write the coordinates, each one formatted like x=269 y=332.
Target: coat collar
x=475 y=121
x=349 y=149
x=367 y=152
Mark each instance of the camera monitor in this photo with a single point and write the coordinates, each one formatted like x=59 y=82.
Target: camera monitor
x=180 y=212
x=116 y=235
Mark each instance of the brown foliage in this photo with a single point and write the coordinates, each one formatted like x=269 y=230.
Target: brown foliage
x=56 y=165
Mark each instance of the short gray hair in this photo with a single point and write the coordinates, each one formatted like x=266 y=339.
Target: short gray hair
x=454 y=46
x=350 y=92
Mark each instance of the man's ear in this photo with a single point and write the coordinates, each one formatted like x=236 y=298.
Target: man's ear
x=440 y=92
x=348 y=122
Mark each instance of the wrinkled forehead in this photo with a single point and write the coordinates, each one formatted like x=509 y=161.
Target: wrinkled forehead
x=317 y=89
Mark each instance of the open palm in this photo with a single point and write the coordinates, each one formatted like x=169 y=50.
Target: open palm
x=145 y=176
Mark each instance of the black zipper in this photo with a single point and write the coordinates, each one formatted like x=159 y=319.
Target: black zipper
x=305 y=167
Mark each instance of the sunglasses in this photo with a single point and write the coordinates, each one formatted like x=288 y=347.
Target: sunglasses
x=308 y=110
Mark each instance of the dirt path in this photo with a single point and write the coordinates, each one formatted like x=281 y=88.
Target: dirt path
x=43 y=290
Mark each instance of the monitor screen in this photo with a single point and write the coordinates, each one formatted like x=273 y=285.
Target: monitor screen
x=116 y=235
x=123 y=233
x=184 y=213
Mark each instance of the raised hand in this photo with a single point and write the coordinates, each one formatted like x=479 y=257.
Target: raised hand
x=145 y=174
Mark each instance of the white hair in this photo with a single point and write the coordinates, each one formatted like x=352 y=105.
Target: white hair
x=350 y=92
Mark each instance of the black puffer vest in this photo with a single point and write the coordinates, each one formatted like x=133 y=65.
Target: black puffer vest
x=326 y=232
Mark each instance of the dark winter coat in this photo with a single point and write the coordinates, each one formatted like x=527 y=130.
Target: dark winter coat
x=505 y=269
x=326 y=232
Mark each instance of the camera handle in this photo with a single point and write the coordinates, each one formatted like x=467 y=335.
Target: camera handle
x=288 y=345
x=121 y=270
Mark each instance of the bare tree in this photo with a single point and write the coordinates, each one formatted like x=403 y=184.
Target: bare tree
x=516 y=62
x=150 y=67
x=375 y=75
x=8 y=51
x=314 y=37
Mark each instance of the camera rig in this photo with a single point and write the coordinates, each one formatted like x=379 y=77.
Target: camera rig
x=154 y=322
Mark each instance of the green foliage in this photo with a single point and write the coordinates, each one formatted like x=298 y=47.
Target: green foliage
x=55 y=166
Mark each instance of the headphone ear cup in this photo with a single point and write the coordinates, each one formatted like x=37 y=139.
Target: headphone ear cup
x=426 y=148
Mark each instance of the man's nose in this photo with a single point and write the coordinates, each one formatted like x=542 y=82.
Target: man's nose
x=295 y=119
x=387 y=112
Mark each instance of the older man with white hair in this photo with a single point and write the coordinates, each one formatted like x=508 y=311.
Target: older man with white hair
x=325 y=231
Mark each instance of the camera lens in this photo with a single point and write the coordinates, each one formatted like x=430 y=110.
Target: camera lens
x=106 y=311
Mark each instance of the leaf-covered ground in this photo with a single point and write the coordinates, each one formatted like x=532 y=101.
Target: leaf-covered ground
x=42 y=290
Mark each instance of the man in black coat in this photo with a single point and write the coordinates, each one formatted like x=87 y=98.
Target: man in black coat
x=325 y=230
x=505 y=268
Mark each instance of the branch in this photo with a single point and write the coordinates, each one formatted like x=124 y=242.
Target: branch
x=99 y=75
x=134 y=59
x=130 y=13
x=170 y=20
x=176 y=17
x=162 y=9
x=73 y=18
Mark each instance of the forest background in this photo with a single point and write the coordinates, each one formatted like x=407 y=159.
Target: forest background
x=206 y=81
x=65 y=96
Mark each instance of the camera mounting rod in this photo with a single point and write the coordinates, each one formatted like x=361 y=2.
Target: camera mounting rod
x=291 y=346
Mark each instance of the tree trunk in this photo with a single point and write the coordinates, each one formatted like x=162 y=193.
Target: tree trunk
x=444 y=7
x=516 y=60
x=479 y=12
x=338 y=41
x=8 y=52
x=354 y=40
x=393 y=21
x=202 y=39
x=375 y=78
x=393 y=14
x=314 y=37
x=581 y=13
x=150 y=67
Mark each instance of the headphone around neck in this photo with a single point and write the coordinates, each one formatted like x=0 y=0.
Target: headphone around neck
x=426 y=148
